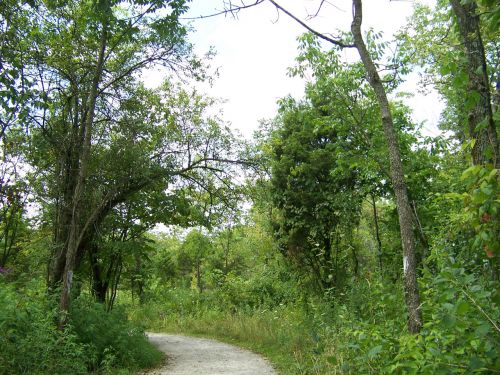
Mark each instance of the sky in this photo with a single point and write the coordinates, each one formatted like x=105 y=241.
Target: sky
x=255 y=49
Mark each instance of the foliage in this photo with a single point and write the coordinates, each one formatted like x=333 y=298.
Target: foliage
x=95 y=341
x=460 y=335
x=30 y=342
x=431 y=40
x=482 y=208
x=310 y=275
x=110 y=340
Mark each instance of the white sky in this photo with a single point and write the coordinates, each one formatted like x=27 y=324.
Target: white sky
x=255 y=50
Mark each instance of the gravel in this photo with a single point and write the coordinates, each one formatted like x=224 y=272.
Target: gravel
x=192 y=356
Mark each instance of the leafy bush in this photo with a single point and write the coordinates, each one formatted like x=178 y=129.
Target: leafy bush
x=460 y=334
x=29 y=340
x=110 y=339
x=95 y=340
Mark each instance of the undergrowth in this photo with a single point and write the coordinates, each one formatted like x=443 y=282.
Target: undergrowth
x=94 y=342
x=363 y=333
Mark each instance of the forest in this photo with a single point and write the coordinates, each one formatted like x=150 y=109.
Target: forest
x=340 y=239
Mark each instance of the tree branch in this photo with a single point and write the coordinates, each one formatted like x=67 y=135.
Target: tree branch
x=232 y=9
x=336 y=42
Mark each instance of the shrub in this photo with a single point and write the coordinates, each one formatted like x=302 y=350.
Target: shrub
x=110 y=339
x=95 y=340
x=29 y=340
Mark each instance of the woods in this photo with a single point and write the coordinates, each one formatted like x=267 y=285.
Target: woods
x=341 y=238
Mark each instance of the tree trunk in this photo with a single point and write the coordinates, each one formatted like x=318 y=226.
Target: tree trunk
x=377 y=233
x=115 y=280
x=485 y=148
x=99 y=281
x=139 y=277
x=198 y=276
x=67 y=173
x=412 y=296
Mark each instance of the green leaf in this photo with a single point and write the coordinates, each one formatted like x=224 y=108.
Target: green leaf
x=448 y=321
x=475 y=363
x=482 y=330
x=463 y=307
x=479 y=197
x=471 y=170
x=374 y=351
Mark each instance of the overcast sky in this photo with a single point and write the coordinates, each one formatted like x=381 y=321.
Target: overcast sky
x=255 y=49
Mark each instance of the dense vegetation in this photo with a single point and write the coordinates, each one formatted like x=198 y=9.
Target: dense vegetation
x=341 y=239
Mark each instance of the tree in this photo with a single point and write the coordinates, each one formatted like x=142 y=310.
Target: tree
x=98 y=136
x=482 y=128
x=435 y=41
x=14 y=193
x=85 y=55
x=193 y=252
x=325 y=158
x=397 y=175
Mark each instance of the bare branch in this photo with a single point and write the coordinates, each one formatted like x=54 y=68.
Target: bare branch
x=233 y=10
x=311 y=16
x=336 y=42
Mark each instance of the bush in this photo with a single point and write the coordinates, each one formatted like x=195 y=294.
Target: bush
x=94 y=341
x=30 y=342
x=110 y=339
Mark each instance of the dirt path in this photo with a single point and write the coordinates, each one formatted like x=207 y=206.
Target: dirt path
x=193 y=356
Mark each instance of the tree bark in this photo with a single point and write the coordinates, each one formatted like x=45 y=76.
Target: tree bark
x=412 y=295
x=485 y=149
x=67 y=173
x=377 y=233
x=115 y=280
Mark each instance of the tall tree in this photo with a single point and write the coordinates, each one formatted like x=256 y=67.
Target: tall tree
x=98 y=137
x=482 y=128
x=327 y=154
x=397 y=175
x=75 y=234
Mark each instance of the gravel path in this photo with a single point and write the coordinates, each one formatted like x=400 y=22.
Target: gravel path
x=193 y=356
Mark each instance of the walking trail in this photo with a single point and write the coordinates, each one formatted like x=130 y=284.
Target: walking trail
x=193 y=356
